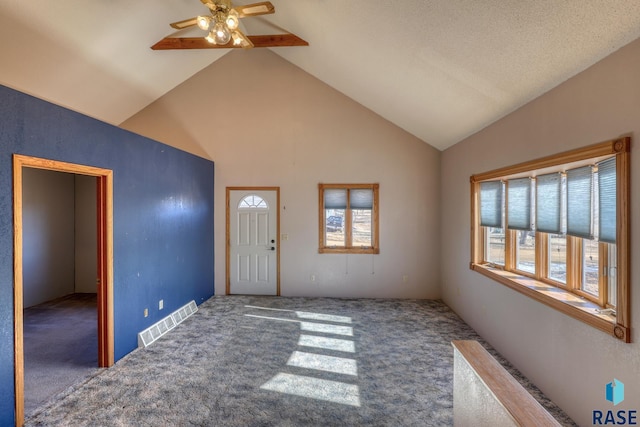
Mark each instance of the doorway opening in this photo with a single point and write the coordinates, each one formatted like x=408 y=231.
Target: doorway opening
x=100 y=301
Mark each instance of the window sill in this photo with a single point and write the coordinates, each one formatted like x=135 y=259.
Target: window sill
x=573 y=305
x=330 y=250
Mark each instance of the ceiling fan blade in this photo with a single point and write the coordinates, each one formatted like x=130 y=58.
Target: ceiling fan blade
x=254 y=9
x=272 y=40
x=184 y=24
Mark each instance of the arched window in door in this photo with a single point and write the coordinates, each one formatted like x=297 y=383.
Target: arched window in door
x=253 y=201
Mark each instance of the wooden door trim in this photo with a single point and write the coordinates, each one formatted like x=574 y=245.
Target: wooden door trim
x=228 y=234
x=105 y=270
x=105 y=250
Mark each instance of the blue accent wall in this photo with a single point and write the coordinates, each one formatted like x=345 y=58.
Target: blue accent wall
x=163 y=218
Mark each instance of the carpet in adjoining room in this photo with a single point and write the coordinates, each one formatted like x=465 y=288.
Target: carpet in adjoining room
x=60 y=346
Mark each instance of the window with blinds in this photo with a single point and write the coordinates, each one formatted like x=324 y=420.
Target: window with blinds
x=607 y=201
x=549 y=203
x=492 y=217
x=558 y=222
x=491 y=203
x=348 y=218
x=579 y=202
x=520 y=203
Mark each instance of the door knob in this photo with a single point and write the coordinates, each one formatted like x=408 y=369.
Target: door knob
x=272 y=248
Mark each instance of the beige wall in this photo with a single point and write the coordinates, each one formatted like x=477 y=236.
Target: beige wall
x=60 y=235
x=569 y=361
x=265 y=122
x=86 y=234
x=48 y=237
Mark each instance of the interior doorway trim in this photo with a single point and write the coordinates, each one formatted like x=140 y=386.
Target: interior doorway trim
x=228 y=234
x=105 y=263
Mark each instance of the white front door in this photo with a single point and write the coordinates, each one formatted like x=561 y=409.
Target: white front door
x=253 y=242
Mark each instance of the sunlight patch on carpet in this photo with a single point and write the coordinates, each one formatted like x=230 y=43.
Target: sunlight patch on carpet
x=328 y=329
x=323 y=317
x=326 y=343
x=314 y=388
x=320 y=362
x=271 y=318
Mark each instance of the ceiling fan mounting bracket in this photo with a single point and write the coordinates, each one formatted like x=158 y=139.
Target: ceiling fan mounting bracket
x=218 y=7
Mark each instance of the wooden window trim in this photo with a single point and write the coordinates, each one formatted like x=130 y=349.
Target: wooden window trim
x=547 y=292
x=542 y=254
x=375 y=223
x=602 y=280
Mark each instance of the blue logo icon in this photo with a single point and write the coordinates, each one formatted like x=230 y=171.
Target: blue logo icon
x=615 y=391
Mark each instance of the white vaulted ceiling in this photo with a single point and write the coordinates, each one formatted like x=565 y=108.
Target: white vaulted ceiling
x=441 y=70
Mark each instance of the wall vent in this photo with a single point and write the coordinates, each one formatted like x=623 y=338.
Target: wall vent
x=158 y=329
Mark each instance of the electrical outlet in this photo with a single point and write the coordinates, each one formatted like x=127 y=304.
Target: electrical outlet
x=405 y=278
x=313 y=278
x=146 y=312
x=161 y=304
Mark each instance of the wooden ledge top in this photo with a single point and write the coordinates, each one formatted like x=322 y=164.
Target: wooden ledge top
x=524 y=409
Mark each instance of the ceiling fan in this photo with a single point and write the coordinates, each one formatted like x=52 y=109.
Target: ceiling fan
x=222 y=27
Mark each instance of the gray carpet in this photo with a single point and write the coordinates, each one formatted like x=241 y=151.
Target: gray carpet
x=60 y=346
x=303 y=361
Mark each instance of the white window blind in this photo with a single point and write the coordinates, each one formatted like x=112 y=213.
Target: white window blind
x=361 y=198
x=579 y=196
x=519 y=206
x=335 y=198
x=607 y=200
x=549 y=203
x=491 y=204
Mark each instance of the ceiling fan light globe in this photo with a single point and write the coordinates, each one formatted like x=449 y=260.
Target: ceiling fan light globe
x=211 y=38
x=222 y=35
x=237 y=40
x=232 y=20
x=203 y=22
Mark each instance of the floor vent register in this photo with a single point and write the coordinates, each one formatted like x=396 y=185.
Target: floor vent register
x=158 y=329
